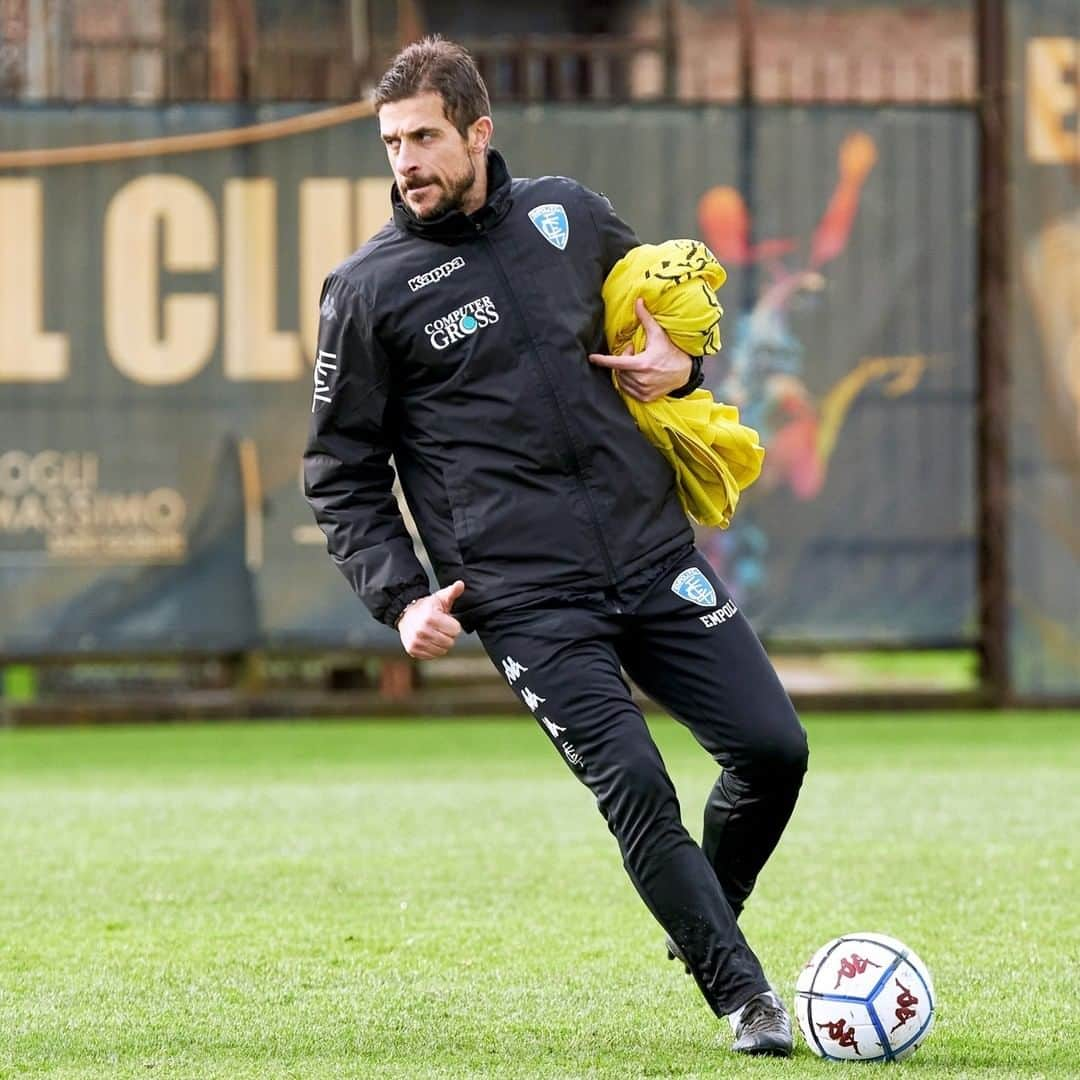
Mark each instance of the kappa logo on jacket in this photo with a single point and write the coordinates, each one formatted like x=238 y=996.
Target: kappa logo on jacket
x=552 y=224
x=462 y=322
x=436 y=274
x=694 y=586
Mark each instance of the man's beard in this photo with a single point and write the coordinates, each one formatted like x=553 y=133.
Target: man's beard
x=453 y=197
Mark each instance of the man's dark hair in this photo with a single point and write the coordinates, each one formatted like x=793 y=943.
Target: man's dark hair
x=434 y=65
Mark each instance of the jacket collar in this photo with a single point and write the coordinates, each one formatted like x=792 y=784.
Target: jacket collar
x=456 y=225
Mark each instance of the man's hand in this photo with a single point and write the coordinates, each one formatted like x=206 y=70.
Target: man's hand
x=427 y=628
x=661 y=368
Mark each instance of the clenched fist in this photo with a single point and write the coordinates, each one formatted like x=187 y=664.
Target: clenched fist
x=427 y=628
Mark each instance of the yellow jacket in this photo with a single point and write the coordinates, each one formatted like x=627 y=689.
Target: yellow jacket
x=713 y=455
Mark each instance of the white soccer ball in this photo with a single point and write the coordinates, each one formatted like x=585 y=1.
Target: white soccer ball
x=864 y=997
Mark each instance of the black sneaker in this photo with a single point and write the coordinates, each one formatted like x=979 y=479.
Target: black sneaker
x=764 y=1028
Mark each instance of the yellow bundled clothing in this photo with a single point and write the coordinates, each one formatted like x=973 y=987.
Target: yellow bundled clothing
x=713 y=455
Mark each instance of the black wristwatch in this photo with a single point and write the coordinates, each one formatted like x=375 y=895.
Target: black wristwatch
x=697 y=377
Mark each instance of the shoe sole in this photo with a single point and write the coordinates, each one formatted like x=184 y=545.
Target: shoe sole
x=765 y=1053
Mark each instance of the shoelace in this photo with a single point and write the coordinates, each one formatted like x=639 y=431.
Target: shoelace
x=762 y=1016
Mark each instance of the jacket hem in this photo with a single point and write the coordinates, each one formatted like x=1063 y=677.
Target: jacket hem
x=659 y=557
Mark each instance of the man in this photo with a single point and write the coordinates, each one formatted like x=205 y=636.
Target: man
x=465 y=339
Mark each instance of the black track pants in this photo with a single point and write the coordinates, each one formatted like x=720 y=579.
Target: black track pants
x=685 y=644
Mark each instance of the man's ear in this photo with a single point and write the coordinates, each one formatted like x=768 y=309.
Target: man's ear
x=480 y=131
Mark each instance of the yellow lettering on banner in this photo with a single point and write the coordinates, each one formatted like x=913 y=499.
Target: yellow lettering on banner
x=1053 y=100
x=253 y=348
x=372 y=207
x=178 y=348
x=325 y=239
x=26 y=354
x=1072 y=367
x=1053 y=284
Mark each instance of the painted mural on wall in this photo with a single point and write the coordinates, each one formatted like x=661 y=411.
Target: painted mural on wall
x=764 y=371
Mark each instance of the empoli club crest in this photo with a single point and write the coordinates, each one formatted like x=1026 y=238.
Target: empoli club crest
x=550 y=220
x=694 y=586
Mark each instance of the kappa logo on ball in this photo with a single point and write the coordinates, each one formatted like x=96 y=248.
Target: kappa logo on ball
x=552 y=224
x=904 y=1012
x=694 y=586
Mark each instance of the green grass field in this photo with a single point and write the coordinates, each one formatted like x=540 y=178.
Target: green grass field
x=443 y=900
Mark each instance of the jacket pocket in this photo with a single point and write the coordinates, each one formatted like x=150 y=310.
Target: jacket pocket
x=460 y=510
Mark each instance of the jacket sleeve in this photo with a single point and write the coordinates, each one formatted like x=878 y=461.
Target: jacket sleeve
x=348 y=479
x=616 y=237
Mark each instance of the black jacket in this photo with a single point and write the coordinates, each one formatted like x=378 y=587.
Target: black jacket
x=459 y=346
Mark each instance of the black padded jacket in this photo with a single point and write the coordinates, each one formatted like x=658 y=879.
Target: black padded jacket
x=459 y=348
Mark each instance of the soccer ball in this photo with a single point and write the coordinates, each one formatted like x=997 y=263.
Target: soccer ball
x=864 y=997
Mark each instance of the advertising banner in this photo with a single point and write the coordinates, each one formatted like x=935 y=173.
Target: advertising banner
x=157 y=330
x=1044 y=556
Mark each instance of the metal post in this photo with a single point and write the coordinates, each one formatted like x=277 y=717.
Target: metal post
x=670 y=45
x=992 y=429
x=36 y=82
x=744 y=16
x=360 y=37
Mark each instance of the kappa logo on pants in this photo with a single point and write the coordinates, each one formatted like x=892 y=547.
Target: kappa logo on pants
x=554 y=729
x=512 y=669
x=694 y=586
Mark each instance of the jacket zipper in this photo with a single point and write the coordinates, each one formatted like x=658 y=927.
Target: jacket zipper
x=563 y=423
